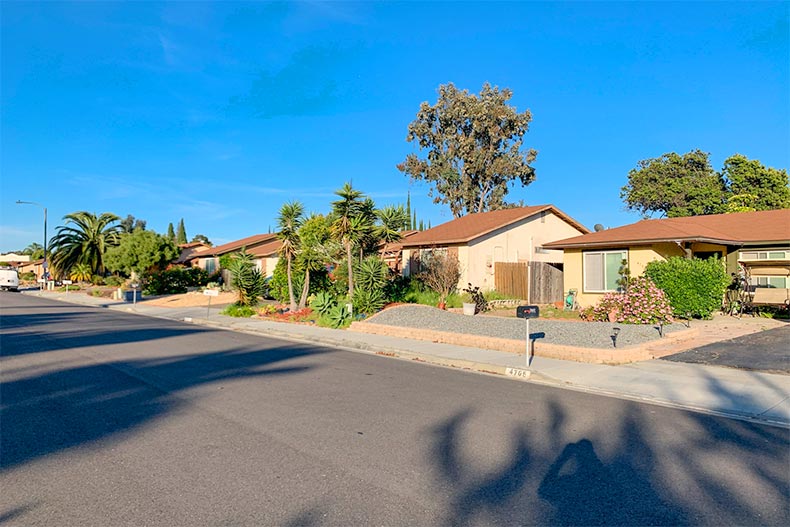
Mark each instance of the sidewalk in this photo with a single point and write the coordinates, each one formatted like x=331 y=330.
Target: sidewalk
x=717 y=390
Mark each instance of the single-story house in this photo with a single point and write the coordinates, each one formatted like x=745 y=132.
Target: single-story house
x=392 y=253
x=264 y=248
x=14 y=259
x=35 y=266
x=189 y=252
x=592 y=261
x=482 y=240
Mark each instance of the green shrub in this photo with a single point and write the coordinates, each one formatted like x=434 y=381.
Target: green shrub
x=72 y=287
x=97 y=280
x=397 y=287
x=239 y=311
x=643 y=303
x=368 y=301
x=174 y=280
x=27 y=276
x=114 y=281
x=693 y=286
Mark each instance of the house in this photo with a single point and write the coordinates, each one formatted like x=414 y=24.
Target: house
x=486 y=240
x=264 y=248
x=14 y=259
x=35 y=266
x=592 y=261
x=189 y=252
x=392 y=253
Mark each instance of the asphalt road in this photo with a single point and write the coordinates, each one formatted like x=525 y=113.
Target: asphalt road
x=767 y=351
x=116 y=419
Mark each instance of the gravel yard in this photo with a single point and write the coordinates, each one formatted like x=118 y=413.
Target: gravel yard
x=583 y=334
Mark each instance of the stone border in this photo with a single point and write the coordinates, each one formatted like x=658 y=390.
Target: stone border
x=625 y=355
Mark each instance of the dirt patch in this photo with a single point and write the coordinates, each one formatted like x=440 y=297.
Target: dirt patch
x=194 y=299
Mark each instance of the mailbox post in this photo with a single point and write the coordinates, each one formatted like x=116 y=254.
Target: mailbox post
x=527 y=313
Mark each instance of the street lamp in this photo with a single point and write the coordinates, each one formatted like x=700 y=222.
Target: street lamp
x=45 y=266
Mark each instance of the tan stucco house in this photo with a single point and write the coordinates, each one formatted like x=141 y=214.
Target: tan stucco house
x=481 y=240
x=264 y=248
x=592 y=261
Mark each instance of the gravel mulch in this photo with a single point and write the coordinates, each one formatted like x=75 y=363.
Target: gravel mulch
x=582 y=334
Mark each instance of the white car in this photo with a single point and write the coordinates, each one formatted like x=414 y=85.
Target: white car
x=9 y=279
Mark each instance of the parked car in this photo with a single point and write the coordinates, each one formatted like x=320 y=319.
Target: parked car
x=9 y=279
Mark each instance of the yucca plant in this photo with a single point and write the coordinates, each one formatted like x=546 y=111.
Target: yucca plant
x=248 y=281
x=368 y=301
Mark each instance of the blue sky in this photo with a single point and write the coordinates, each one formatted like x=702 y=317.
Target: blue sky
x=220 y=112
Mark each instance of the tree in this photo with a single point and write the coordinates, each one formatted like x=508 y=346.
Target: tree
x=750 y=185
x=131 y=224
x=80 y=273
x=473 y=148
x=674 y=185
x=314 y=248
x=441 y=274
x=392 y=221
x=181 y=234
x=288 y=223
x=202 y=238
x=141 y=251
x=34 y=250
x=349 y=225
x=84 y=239
x=171 y=234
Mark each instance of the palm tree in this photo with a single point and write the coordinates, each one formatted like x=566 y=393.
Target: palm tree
x=81 y=272
x=392 y=221
x=84 y=239
x=345 y=228
x=288 y=223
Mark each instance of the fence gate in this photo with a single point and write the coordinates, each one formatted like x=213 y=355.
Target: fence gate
x=546 y=283
x=513 y=279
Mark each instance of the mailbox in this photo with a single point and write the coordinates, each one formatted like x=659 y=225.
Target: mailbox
x=527 y=312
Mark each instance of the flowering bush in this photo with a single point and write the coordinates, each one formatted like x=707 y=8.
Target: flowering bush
x=643 y=303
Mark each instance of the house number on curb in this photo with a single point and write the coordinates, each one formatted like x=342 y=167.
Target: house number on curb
x=518 y=373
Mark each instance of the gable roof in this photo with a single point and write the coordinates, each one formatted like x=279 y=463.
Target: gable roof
x=249 y=242
x=770 y=226
x=467 y=228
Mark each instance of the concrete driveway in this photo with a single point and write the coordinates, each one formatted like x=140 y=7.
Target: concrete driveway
x=766 y=351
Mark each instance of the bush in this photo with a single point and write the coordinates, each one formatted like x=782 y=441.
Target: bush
x=28 y=276
x=247 y=279
x=694 y=287
x=97 y=280
x=174 y=280
x=643 y=303
x=441 y=274
x=239 y=311
x=114 y=281
x=368 y=301
x=397 y=288
x=477 y=297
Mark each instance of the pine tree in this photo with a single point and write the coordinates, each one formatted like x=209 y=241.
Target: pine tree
x=181 y=236
x=171 y=234
x=422 y=226
x=414 y=220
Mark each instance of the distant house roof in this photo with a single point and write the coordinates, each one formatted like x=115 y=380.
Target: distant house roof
x=467 y=228
x=397 y=246
x=249 y=242
x=742 y=228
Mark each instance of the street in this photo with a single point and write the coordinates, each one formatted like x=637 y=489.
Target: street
x=118 y=419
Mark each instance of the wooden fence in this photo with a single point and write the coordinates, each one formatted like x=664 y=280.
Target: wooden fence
x=512 y=279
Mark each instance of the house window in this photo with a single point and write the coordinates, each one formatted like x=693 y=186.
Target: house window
x=779 y=282
x=765 y=255
x=602 y=270
x=210 y=265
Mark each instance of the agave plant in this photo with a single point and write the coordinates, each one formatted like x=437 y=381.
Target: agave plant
x=323 y=303
x=338 y=316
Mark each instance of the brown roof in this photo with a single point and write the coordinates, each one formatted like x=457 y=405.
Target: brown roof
x=740 y=228
x=269 y=248
x=467 y=228
x=397 y=246
x=190 y=251
x=249 y=242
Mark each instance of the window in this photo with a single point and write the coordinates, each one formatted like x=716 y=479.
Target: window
x=210 y=265
x=765 y=255
x=602 y=270
x=779 y=282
